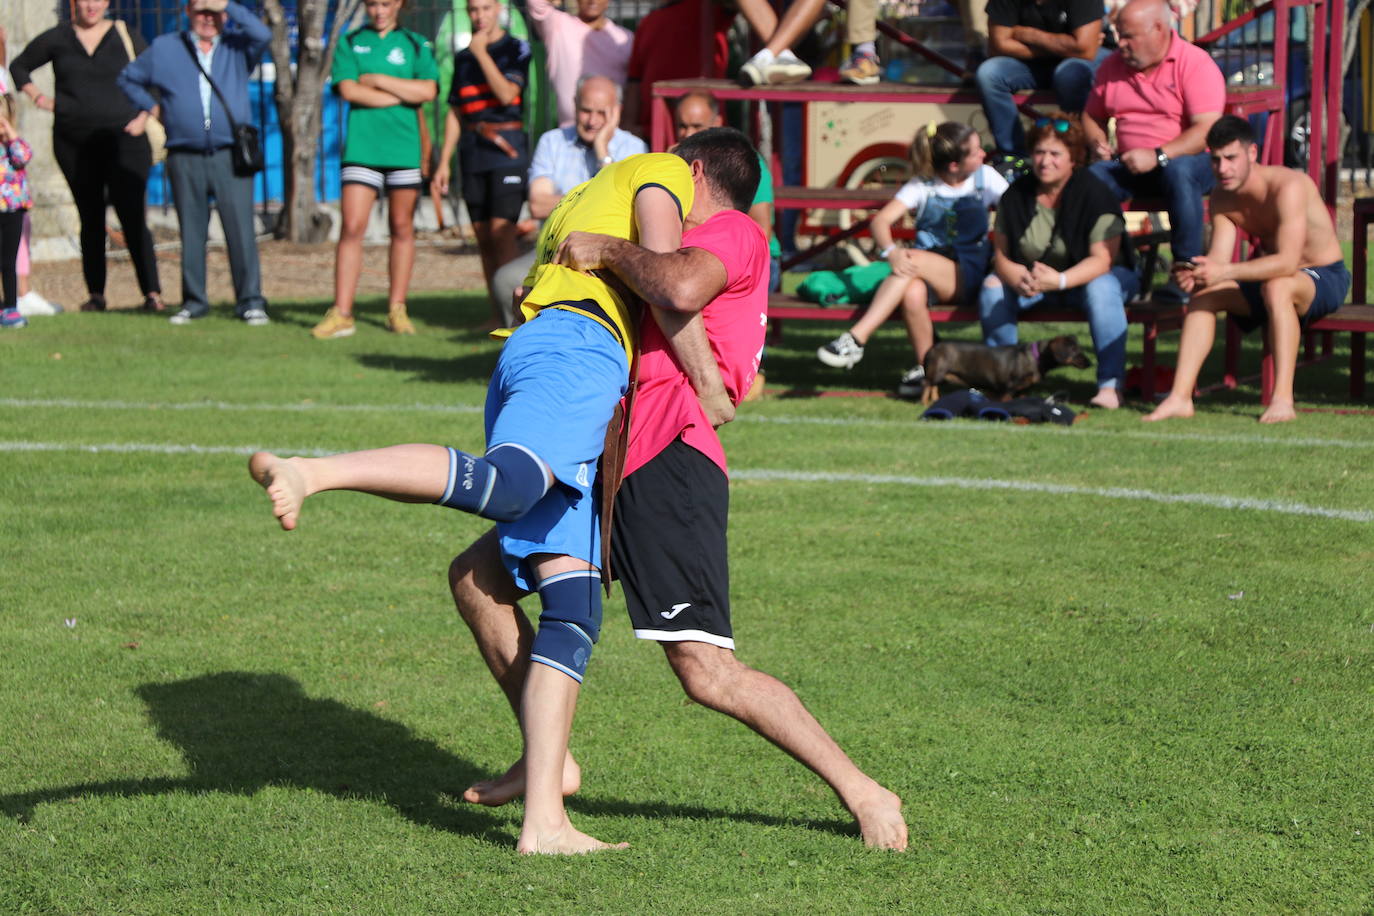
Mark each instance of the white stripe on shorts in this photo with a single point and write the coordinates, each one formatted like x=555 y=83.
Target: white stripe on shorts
x=724 y=642
x=376 y=179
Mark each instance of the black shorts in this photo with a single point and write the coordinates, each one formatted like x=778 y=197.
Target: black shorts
x=495 y=193
x=1332 y=283
x=668 y=548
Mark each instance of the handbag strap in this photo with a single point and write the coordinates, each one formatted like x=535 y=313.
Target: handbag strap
x=124 y=37
x=191 y=49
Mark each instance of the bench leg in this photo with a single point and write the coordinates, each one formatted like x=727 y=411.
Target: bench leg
x=1328 y=343
x=1147 y=361
x=1266 y=372
x=1357 y=365
x=1233 y=344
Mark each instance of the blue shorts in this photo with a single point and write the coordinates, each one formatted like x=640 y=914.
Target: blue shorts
x=555 y=388
x=1332 y=282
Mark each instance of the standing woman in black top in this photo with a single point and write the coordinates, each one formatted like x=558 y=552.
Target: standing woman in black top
x=99 y=160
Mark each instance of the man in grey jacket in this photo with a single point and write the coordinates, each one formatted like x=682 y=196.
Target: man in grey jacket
x=199 y=136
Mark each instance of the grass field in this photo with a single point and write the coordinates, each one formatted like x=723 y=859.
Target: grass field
x=1113 y=668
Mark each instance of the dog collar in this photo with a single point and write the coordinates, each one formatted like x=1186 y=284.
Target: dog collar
x=1035 y=350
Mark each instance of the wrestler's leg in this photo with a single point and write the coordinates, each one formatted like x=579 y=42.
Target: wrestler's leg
x=715 y=678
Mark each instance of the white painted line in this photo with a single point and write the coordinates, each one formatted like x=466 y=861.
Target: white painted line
x=1157 y=434
x=966 y=483
x=1025 y=486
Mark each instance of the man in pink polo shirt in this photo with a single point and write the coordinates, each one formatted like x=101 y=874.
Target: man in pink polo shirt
x=1165 y=93
x=588 y=44
x=669 y=547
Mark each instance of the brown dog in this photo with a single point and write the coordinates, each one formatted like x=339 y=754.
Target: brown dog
x=998 y=372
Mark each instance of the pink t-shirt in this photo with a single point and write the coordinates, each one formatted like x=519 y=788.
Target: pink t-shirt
x=666 y=407
x=576 y=49
x=1153 y=108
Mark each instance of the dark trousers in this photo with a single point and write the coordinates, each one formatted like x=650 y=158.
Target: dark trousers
x=108 y=167
x=11 y=230
x=196 y=178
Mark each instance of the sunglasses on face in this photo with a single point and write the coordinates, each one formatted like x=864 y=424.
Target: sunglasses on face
x=1061 y=126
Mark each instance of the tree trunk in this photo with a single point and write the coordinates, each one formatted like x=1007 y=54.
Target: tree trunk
x=299 y=104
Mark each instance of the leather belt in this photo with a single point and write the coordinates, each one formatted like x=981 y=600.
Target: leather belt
x=491 y=132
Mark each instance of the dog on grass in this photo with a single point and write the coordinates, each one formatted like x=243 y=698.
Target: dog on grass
x=999 y=372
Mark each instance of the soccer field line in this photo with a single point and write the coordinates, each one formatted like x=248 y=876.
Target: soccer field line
x=764 y=474
x=1154 y=434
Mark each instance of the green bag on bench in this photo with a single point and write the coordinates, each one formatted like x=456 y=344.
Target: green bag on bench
x=851 y=286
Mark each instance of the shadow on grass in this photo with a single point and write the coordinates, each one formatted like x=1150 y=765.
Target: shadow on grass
x=241 y=732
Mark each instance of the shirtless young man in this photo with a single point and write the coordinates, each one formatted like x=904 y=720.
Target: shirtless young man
x=669 y=546
x=1302 y=278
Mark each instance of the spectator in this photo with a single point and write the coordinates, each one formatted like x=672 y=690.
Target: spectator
x=949 y=200
x=580 y=45
x=699 y=110
x=1301 y=277
x=102 y=162
x=199 y=136
x=1056 y=44
x=775 y=63
x=384 y=72
x=564 y=158
x=484 y=125
x=1060 y=238
x=15 y=154
x=31 y=303
x=1164 y=93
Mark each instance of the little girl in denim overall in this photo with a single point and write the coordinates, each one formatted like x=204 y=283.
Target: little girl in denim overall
x=15 y=154
x=949 y=200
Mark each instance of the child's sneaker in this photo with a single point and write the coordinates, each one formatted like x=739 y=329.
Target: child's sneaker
x=398 y=321
x=861 y=70
x=31 y=303
x=10 y=318
x=842 y=352
x=333 y=325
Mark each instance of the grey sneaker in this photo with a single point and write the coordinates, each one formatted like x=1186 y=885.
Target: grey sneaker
x=913 y=383
x=255 y=318
x=842 y=352
x=186 y=316
x=751 y=72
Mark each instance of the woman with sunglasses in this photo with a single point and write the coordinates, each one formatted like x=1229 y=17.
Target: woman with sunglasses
x=1060 y=239
x=949 y=200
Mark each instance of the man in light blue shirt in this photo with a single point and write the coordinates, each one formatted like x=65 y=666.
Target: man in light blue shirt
x=563 y=159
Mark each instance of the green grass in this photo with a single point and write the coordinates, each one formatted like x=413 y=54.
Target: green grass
x=1089 y=702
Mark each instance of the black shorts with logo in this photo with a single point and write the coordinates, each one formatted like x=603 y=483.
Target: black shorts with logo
x=668 y=548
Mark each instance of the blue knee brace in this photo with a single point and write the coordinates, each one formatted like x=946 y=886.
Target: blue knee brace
x=502 y=486
x=570 y=623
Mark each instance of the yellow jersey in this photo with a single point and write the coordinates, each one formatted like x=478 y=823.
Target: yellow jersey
x=605 y=204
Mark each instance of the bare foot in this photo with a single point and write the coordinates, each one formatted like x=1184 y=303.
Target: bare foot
x=511 y=784
x=284 y=483
x=1170 y=408
x=565 y=841
x=879 y=814
x=1107 y=399
x=1279 y=412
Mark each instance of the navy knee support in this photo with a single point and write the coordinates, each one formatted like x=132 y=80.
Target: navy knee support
x=570 y=623
x=502 y=486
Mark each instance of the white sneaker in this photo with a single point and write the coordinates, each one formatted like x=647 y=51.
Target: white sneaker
x=186 y=316
x=913 y=383
x=754 y=71
x=255 y=318
x=842 y=352
x=31 y=303
x=786 y=68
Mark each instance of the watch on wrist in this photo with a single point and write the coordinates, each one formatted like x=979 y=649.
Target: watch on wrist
x=606 y=160
x=1161 y=157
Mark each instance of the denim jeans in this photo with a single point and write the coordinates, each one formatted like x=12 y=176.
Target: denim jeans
x=1182 y=184
x=997 y=78
x=1104 y=299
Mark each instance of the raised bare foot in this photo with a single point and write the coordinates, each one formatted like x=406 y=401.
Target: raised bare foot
x=565 y=841
x=284 y=483
x=1279 y=412
x=879 y=814
x=511 y=784
x=1107 y=399
x=1170 y=408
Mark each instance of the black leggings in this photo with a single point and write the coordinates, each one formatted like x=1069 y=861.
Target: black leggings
x=11 y=230
x=109 y=166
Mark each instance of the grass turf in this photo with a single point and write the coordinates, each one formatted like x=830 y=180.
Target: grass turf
x=1092 y=699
